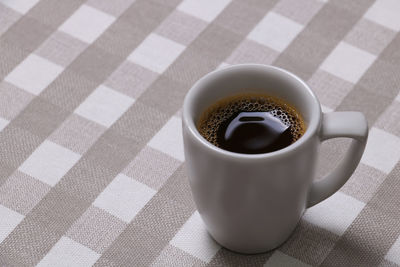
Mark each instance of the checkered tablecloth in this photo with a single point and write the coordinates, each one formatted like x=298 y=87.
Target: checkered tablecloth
x=92 y=169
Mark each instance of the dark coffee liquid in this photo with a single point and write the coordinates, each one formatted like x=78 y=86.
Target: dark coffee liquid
x=251 y=124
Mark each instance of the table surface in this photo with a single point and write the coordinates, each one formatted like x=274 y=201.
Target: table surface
x=91 y=160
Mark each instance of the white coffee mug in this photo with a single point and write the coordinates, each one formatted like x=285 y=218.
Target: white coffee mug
x=251 y=203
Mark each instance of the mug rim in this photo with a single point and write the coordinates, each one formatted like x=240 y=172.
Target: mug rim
x=312 y=127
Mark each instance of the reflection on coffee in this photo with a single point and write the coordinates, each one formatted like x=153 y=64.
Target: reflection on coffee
x=251 y=124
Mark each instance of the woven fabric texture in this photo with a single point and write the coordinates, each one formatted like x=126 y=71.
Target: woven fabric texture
x=92 y=169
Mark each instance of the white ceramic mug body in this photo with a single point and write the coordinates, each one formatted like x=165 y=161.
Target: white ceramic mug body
x=251 y=203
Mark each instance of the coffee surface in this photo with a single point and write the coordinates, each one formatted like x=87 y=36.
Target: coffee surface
x=251 y=124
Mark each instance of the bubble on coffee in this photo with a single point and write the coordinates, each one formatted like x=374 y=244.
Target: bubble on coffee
x=251 y=123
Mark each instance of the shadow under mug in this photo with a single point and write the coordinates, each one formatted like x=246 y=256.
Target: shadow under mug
x=251 y=203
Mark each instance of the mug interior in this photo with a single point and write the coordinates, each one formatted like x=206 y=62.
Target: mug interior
x=252 y=78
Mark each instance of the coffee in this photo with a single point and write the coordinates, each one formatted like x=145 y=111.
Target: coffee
x=251 y=124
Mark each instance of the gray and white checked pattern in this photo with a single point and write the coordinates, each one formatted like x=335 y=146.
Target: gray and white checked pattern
x=91 y=161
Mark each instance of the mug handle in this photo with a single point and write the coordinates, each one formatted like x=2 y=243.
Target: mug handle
x=340 y=124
